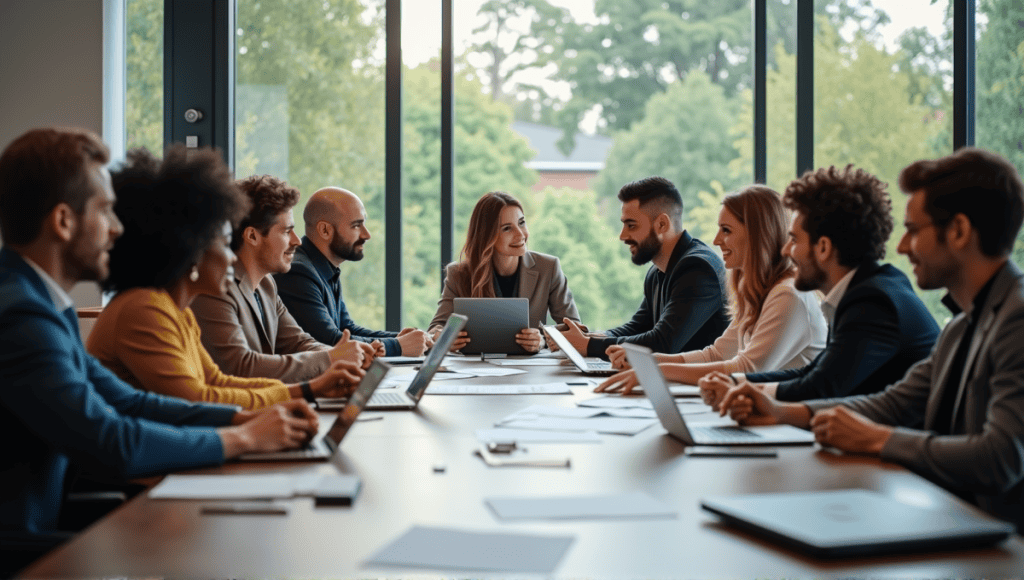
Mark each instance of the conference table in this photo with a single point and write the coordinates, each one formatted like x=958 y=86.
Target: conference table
x=418 y=468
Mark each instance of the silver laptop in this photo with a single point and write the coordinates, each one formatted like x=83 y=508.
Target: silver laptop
x=410 y=398
x=653 y=382
x=855 y=522
x=494 y=323
x=326 y=442
x=601 y=368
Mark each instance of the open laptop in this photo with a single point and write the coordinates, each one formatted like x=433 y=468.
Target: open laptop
x=855 y=522
x=494 y=323
x=653 y=382
x=326 y=442
x=410 y=398
x=600 y=368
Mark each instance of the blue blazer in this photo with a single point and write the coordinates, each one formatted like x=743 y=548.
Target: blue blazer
x=880 y=329
x=306 y=291
x=59 y=404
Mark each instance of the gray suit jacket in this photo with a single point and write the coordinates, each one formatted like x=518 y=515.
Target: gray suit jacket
x=235 y=336
x=540 y=279
x=983 y=459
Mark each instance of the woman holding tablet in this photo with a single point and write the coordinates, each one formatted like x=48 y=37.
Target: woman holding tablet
x=496 y=264
x=774 y=326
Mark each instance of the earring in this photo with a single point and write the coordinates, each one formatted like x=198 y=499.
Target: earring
x=194 y=274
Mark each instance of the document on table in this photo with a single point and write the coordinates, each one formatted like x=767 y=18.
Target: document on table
x=615 y=425
x=531 y=436
x=622 y=405
x=450 y=549
x=527 y=362
x=481 y=371
x=619 y=506
x=404 y=380
x=224 y=487
x=535 y=411
x=463 y=389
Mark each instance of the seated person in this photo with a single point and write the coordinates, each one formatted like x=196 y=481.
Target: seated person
x=177 y=216
x=684 y=292
x=774 y=326
x=247 y=330
x=878 y=327
x=58 y=405
x=496 y=263
x=957 y=417
x=311 y=290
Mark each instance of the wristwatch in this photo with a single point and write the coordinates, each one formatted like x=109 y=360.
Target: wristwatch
x=737 y=378
x=307 y=391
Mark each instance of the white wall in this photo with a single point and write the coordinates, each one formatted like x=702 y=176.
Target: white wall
x=51 y=73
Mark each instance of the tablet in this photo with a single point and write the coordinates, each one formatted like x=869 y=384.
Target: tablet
x=493 y=323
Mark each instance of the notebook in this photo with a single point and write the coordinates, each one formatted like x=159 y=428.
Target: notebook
x=598 y=368
x=397 y=400
x=854 y=522
x=326 y=442
x=650 y=377
x=494 y=323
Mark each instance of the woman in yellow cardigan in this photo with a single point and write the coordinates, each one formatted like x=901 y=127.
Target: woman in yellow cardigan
x=177 y=216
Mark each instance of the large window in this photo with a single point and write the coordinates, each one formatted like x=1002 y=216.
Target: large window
x=144 y=74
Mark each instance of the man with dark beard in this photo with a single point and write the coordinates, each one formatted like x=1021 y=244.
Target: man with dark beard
x=335 y=232
x=878 y=327
x=684 y=292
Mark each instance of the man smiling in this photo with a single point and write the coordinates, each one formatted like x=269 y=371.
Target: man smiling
x=248 y=331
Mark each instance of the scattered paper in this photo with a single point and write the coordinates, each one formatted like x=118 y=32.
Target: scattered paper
x=404 y=380
x=526 y=362
x=492 y=372
x=532 y=436
x=618 y=406
x=224 y=487
x=448 y=549
x=619 y=506
x=463 y=389
x=616 y=425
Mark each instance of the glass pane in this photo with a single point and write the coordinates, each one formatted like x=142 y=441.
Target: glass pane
x=309 y=109
x=780 y=87
x=562 y=102
x=999 y=124
x=144 y=74
x=883 y=95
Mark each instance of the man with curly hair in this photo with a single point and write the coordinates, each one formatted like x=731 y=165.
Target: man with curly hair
x=248 y=331
x=957 y=417
x=878 y=327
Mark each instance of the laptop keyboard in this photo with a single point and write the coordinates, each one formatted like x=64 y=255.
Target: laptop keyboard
x=725 y=434
x=388 y=398
x=601 y=365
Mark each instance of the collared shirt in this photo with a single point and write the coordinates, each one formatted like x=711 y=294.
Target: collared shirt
x=61 y=300
x=835 y=296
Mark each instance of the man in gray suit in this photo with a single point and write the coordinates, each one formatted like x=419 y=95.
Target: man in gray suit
x=248 y=331
x=956 y=417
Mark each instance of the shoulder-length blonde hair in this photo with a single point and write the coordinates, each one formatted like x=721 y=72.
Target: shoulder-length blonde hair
x=478 y=252
x=761 y=212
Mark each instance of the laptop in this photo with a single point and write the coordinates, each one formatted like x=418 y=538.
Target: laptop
x=854 y=522
x=393 y=400
x=326 y=442
x=653 y=382
x=494 y=324
x=601 y=368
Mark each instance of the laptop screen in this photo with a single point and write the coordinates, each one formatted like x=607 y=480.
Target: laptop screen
x=374 y=375
x=419 y=383
x=566 y=346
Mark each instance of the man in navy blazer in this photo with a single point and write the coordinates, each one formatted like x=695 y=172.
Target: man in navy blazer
x=878 y=327
x=58 y=405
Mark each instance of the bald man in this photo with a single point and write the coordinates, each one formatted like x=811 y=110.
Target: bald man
x=335 y=232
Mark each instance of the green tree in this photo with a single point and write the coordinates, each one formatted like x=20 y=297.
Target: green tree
x=144 y=78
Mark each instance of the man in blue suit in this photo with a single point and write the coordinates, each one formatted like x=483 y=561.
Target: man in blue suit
x=58 y=405
x=878 y=327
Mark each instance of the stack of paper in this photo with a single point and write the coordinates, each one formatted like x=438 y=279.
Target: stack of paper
x=508 y=389
x=551 y=418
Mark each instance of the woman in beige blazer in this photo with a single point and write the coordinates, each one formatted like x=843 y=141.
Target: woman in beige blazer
x=496 y=263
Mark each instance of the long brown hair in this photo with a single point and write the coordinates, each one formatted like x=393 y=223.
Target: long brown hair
x=478 y=252
x=761 y=212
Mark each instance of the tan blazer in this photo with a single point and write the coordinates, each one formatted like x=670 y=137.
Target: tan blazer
x=540 y=279
x=234 y=334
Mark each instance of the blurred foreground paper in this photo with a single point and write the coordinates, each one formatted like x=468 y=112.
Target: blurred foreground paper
x=448 y=549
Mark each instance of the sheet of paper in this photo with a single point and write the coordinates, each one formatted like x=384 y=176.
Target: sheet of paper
x=640 y=407
x=463 y=389
x=449 y=549
x=225 y=487
x=632 y=505
x=526 y=362
x=616 y=425
x=490 y=371
x=532 y=436
x=404 y=380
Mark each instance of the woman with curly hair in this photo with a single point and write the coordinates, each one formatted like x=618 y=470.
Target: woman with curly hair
x=496 y=263
x=774 y=326
x=177 y=216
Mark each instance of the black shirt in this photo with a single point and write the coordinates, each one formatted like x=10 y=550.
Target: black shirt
x=506 y=286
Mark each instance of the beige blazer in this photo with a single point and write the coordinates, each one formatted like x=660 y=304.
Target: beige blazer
x=540 y=279
x=234 y=334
